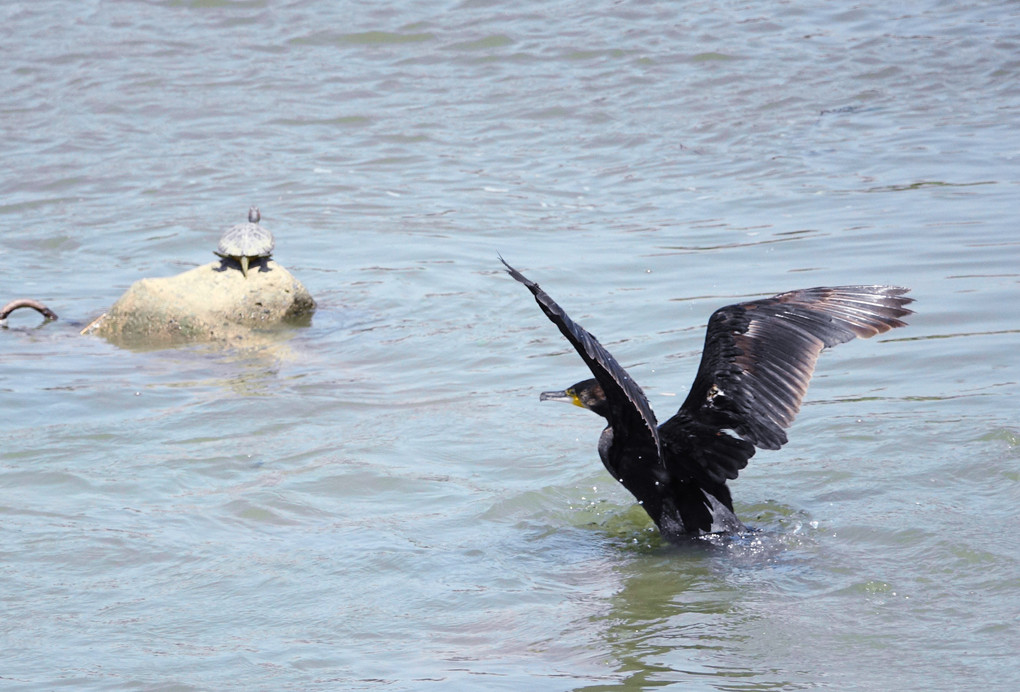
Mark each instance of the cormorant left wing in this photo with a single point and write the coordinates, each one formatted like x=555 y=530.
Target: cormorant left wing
x=631 y=417
x=759 y=356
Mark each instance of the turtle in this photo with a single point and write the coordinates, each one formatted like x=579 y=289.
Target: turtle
x=247 y=241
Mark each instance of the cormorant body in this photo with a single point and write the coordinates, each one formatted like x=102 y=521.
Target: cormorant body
x=754 y=371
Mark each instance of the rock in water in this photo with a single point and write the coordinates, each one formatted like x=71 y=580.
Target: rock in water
x=208 y=303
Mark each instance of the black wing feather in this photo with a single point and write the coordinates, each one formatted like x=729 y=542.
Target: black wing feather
x=631 y=417
x=759 y=356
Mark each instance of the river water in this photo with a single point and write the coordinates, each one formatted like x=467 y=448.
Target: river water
x=377 y=501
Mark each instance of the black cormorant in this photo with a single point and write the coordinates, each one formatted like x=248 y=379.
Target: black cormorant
x=754 y=371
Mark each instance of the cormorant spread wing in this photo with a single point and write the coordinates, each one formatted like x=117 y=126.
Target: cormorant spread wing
x=630 y=416
x=758 y=359
x=759 y=355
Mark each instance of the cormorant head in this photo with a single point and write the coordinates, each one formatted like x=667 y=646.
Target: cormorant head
x=586 y=394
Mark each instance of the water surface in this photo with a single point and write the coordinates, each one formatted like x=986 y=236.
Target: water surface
x=379 y=501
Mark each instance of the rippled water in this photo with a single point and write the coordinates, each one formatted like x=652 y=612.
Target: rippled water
x=379 y=501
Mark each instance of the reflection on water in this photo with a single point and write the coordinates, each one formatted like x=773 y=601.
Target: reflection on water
x=681 y=609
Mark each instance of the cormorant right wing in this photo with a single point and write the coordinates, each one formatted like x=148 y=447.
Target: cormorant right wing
x=759 y=357
x=631 y=417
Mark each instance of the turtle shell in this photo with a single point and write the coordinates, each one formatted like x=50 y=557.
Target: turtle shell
x=247 y=239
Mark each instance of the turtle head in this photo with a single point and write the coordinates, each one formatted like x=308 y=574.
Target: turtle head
x=253 y=215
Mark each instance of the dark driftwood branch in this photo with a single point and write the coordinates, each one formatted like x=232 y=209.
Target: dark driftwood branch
x=26 y=303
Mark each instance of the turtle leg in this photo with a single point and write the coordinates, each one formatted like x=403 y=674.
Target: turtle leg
x=243 y=259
